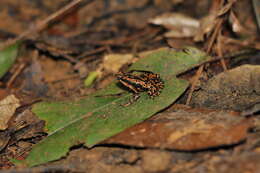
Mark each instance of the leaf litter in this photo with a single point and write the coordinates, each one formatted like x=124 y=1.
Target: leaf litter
x=112 y=31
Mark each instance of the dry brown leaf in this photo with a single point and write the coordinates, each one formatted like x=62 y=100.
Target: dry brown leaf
x=187 y=130
x=113 y=62
x=206 y=26
x=8 y=106
x=179 y=25
x=236 y=89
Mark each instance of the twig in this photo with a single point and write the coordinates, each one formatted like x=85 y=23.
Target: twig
x=219 y=58
x=201 y=66
x=14 y=76
x=40 y=25
x=193 y=85
x=219 y=50
x=200 y=70
x=97 y=50
x=70 y=77
x=209 y=48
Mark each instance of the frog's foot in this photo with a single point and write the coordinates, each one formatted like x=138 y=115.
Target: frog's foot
x=132 y=100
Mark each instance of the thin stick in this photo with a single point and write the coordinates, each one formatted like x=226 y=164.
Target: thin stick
x=40 y=25
x=219 y=49
x=194 y=81
x=219 y=58
x=201 y=66
x=14 y=76
x=200 y=70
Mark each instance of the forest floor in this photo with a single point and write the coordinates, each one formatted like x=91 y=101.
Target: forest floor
x=71 y=49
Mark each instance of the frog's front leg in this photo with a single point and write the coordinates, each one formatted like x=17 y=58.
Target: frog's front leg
x=133 y=99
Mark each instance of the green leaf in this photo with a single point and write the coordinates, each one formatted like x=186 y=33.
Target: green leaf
x=7 y=58
x=91 y=78
x=100 y=116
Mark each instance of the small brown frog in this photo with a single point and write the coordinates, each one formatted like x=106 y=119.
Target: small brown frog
x=141 y=81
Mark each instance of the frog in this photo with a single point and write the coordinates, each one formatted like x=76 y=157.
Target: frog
x=138 y=81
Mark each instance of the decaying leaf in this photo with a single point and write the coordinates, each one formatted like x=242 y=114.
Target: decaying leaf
x=186 y=130
x=7 y=108
x=206 y=26
x=225 y=91
x=180 y=25
x=113 y=62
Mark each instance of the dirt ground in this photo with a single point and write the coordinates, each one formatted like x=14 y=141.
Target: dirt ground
x=70 y=49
